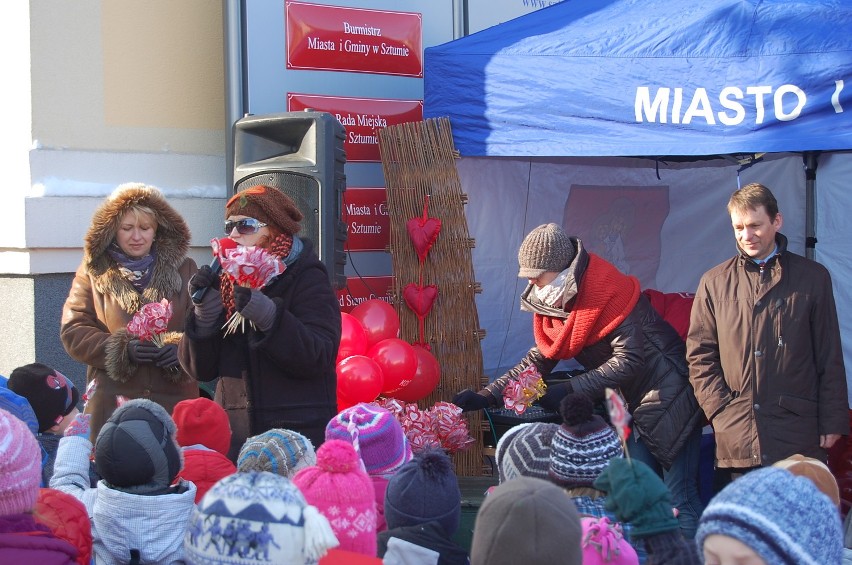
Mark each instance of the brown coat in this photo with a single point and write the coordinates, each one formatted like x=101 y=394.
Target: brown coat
x=765 y=358
x=101 y=302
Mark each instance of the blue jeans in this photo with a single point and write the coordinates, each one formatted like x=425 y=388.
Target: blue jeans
x=681 y=478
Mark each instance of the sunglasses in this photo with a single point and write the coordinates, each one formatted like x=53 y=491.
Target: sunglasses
x=246 y=226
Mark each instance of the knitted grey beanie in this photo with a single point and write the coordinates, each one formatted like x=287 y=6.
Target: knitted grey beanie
x=524 y=451
x=784 y=518
x=546 y=248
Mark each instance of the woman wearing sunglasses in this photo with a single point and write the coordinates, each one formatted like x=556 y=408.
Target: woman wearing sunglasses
x=279 y=370
x=134 y=253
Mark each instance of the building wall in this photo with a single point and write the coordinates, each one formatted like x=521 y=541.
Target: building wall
x=104 y=92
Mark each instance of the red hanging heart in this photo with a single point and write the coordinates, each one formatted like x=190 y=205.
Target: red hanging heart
x=423 y=231
x=420 y=298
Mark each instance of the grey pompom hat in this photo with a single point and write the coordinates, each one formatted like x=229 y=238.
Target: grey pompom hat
x=546 y=248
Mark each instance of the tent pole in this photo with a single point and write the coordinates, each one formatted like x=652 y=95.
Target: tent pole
x=810 y=160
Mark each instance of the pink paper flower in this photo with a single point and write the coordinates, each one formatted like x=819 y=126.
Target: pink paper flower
x=151 y=321
x=252 y=267
x=523 y=390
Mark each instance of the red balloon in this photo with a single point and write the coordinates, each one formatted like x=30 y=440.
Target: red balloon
x=426 y=377
x=359 y=379
x=397 y=360
x=353 y=338
x=379 y=319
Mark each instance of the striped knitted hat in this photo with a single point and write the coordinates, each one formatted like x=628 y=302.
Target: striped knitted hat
x=20 y=466
x=583 y=445
x=342 y=491
x=279 y=451
x=524 y=451
x=782 y=517
x=376 y=435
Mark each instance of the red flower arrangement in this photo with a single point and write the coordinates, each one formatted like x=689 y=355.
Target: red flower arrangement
x=252 y=267
x=151 y=321
x=441 y=426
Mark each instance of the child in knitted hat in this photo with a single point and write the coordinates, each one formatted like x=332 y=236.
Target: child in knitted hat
x=22 y=538
x=772 y=515
x=279 y=451
x=524 y=450
x=139 y=509
x=53 y=398
x=423 y=511
x=638 y=496
x=204 y=435
x=256 y=517
x=527 y=521
x=604 y=544
x=342 y=491
x=379 y=439
x=581 y=449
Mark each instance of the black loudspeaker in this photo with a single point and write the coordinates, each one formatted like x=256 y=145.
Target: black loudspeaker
x=302 y=155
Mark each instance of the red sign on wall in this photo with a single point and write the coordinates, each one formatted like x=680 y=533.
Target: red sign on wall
x=334 y=38
x=365 y=211
x=360 y=289
x=362 y=118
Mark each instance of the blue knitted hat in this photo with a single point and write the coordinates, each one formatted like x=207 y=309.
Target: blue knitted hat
x=784 y=518
x=280 y=451
x=18 y=406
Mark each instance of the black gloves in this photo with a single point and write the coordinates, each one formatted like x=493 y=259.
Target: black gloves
x=242 y=296
x=255 y=306
x=468 y=400
x=167 y=357
x=142 y=352
x=554 y=395
x=204 y=278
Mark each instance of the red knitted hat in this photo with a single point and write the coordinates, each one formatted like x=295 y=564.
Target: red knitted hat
x=202 y=421
x=267 y=204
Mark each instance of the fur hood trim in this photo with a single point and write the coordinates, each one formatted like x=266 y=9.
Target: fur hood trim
x=172 y=243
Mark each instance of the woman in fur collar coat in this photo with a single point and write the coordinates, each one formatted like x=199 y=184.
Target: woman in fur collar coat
x=134 y=253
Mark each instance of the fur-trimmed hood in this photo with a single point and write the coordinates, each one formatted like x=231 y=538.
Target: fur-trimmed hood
x=172 y=244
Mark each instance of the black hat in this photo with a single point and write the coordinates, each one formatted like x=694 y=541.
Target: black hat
x=51 y=394
x=136 y=450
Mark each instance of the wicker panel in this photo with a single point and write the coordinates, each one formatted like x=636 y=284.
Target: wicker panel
x=418 y=160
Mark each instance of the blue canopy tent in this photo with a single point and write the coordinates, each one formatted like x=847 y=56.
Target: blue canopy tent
x=631 y=121
x=650 y=77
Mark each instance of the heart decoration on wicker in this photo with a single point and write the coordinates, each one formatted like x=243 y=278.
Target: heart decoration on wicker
x=419 y=299
x=423 y=231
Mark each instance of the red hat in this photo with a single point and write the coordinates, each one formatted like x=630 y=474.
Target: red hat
x=202 y=421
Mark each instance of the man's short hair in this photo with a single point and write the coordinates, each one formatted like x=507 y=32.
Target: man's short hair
x=751 y=197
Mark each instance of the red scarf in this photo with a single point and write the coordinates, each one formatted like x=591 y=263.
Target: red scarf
x=605 y=297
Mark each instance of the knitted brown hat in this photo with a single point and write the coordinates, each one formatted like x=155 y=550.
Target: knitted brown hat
x=546 y=248
x=267 y=204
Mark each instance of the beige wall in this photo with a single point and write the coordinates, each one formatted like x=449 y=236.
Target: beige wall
x=124 y=75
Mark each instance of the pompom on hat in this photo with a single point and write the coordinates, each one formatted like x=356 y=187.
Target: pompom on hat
x=426 y=489
x=377 y=436
x=18 y=406
x=782 y=517
x=603 y=543
x=51 y=394
x=200 y=421
x=524 y=451
x=136 y=450
x=266 y=515
x=20 y=466
x=546 y=248
x=268 y=205
x=280 y=451
x=342 y=491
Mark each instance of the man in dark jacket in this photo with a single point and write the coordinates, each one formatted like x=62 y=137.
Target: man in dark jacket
x=764 y=346
x=585 y=309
